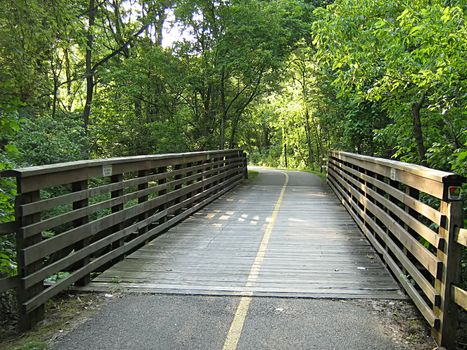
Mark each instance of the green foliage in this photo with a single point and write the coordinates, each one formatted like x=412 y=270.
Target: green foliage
x=32 y=345
x=7 y=264
x=287 y=80
x=400 y=55
x=46 y=140
x=252 y=174
x=57 y=277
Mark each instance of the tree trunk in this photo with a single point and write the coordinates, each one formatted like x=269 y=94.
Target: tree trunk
x=68 y=78
x=308 y=136
x=89 y=70
x=55 y=97
x=417 y=129
x=318 y=142
x=224 y=110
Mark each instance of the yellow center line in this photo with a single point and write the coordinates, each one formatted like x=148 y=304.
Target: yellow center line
x=233 y=336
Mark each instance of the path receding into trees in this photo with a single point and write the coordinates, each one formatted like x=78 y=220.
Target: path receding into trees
x=229 y=277
x=284 y=234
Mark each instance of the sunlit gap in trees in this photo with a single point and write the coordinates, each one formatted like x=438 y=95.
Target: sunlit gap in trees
x=172 y=31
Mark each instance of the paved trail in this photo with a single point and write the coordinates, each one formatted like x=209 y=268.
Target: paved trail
x=239 y=301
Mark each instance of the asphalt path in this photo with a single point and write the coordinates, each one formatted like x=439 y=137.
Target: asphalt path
x=200 y=322
x=164 y=321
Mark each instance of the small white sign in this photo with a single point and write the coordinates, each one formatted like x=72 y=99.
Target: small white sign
x=393 y=174
x=107 y=170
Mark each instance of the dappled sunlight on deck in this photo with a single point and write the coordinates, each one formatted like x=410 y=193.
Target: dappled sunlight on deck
x=314 y=250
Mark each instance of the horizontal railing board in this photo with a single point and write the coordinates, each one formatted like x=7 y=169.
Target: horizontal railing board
x=61 y=167
x=459 y=296
x=409 y=288
x=7 y=228
x=8 y=283
x=462 y=237
x=48 y=293
x=47 y=247
x=424 y=231
x=418 y=277
x=103 y=242
x=55 y=221
x=420 y=207
x=413 y=169
x=433 y=185
x=33 y=183
x=429 y=261
x=385 y=199
x=46 y=204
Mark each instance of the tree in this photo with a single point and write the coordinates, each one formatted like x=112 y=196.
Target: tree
x=408 y=58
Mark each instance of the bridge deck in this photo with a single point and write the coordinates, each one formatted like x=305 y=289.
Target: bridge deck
x=236 y=246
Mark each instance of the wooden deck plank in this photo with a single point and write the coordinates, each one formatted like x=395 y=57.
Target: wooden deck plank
x=315 y=249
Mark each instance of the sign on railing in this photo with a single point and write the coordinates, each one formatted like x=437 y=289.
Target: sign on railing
x=79 y=218
x=412 y=219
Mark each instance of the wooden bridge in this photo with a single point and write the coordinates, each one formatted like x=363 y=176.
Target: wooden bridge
x=381 y=229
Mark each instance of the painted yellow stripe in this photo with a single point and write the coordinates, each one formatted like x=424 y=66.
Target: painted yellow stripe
x=233 y=336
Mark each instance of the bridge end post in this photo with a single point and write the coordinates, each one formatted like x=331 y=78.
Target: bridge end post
x=27 y=318
x=245 y=165
x=450 y=254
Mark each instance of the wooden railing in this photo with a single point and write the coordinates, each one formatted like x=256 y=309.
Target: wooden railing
x=73 y=219
x=412 y=215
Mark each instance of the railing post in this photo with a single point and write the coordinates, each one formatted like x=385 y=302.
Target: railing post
x=449 y=254
x=27 y=320
x=162 y=181
x=142 y=199
x=209 y=167
x=245 y=165
x=80 y=186
x=179 y=199
x=188 y=183
x=117 y=178
x=201 y=177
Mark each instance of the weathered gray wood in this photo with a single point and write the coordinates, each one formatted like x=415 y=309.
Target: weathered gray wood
x=110 y=239
x=398 y=213
x=461 y=237
x=411 y=222
x=7 y=228
x=41 y=298
x=50 y=203
x=422 y=178
x=315 y=250
x=113 y=202
x=422 y=306
x=44 y=248
x=36 y=178
x=80 y=186
x=28 y=319
x=429 y=261
x=8 y=283
x=87 y=251
x=459 y=296
x=427 y=211
x=450 y=254
x=62 y=167
x=418 y=277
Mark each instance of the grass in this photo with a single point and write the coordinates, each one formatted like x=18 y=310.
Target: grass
x=32 y=345
x=252 y=174
x=314 y=172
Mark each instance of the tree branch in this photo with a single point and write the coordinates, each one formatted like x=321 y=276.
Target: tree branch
x=121 y=48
